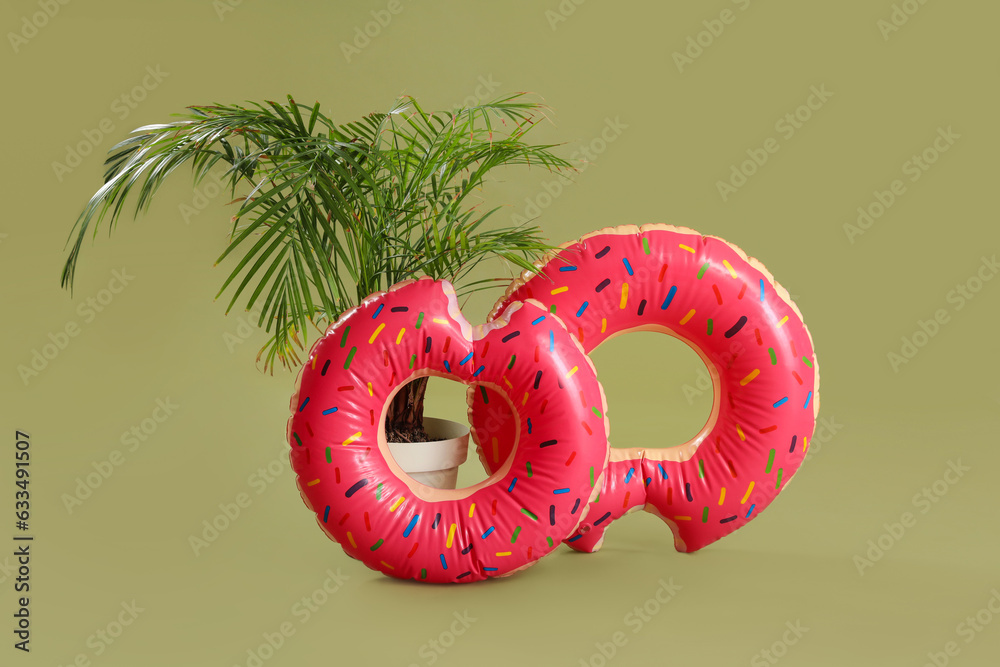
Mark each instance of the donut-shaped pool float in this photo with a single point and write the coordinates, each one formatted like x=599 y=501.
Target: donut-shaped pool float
x=744 y=326
x=540 y=487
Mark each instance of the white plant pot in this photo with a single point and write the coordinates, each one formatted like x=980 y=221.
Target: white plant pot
x=434 y=463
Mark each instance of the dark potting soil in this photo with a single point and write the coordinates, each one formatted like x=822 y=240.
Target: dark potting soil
x=411 y=434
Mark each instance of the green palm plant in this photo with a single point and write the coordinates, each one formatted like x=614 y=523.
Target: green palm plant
x=328 y=214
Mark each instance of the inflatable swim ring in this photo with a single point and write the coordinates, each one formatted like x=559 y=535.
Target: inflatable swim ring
x=542 y=484
x=745 y=327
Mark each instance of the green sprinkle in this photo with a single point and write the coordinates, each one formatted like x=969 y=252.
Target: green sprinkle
x=343 y=339
x=528 y=466
x=420 y=319
x=423 y=573
x=482 y=390
x=297 y=439
x=770 y=461
x=529 y=513
x=701 y=468
x=377 y=545
x=774 y=357
x=511 y=364
x=704 y=267
x=413 y=360
x=552 y=309
x=807 y=362
x=645 y=244
x=597 y=412
x=549 y=539
x=598 y=498
x=350 y=357
x=710 y=326
x=378 y=491
x=778 y=484
x=591 y=476
x=329 y=459
x=513 y=538
x=704 y=516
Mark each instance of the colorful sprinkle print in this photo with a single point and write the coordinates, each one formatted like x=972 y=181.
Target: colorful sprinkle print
x=409 y=531
x=711 y=295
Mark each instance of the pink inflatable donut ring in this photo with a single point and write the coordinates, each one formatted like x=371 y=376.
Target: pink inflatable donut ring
x=537 y=494
x=744 y=326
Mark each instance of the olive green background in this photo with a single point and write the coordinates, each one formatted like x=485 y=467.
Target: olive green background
x=888 y=434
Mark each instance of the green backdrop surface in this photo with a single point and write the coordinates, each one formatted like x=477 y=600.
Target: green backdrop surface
x=875 y=207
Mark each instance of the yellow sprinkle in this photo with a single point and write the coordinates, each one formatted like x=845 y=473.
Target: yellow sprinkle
x=524 y=401
x=805 y=443
x=722 y=495
x=313 y=483
x=783 y=320
x=604 y=324
x=352 y=438
x=388 y=566
x=370 y=392
x=747 y=494
x=559 y=290
x=451 y=537
x=377 y=332
x=496 y=450
x=729 y=266
x=689 y=249
x=754 y=373
x=438 y=320
x=472 y=508
x=314 y=363
x=508 y=382
x=396 y=504
x=572 y=370
x=503 y=553
x=687 y=318
x=621 y=306
x=351 y=538
x=682 y=518
x=399 y=336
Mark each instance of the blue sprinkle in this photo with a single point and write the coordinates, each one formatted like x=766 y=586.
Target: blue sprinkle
x=808 y=398
x=670 y=297
x=467 y=357
x=409 y=528
x=662 y=471
x=628 y=266
x=326 y=513
x=512 y=483
x=443 y=564
x=303 y=406
x=781 y=402
x=533 y=322
x=529 y=425
x=490 y=569
x=761 y=289
x=378 y=310
x=488 y=531
x=558 y=491
x=330 y=411
x=574 y=539
x=552 y=341
x=751 y=510
x=567 y=268
x=648 y=480
x=628 y=477
x=447 y=366
x=481 y=369
x=582 y=308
